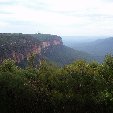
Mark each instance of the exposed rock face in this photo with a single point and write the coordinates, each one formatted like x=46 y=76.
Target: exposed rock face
x=18 y=46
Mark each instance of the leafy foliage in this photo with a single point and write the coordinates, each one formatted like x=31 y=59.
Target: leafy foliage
x=80 y=87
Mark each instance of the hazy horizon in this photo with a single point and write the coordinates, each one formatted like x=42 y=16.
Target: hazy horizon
x=68 y=40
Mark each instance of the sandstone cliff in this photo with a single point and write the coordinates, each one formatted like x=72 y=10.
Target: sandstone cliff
x=18 y=46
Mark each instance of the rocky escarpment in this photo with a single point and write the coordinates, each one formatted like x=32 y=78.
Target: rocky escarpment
x=18 y=46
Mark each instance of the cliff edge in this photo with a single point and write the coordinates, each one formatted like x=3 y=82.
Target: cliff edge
x=18 y=46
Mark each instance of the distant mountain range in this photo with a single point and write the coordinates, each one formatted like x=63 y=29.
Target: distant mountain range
x=98 y=48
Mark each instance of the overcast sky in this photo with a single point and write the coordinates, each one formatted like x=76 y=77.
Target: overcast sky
x=61 y=17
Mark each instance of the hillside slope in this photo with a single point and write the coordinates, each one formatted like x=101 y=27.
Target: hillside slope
x=98 y=48
x=63 y=55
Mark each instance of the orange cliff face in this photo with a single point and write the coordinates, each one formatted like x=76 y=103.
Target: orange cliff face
x=56 y=42
x=45 y=44
x=28 y=49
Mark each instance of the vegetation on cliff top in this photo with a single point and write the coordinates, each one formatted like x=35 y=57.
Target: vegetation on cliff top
x=19 y=37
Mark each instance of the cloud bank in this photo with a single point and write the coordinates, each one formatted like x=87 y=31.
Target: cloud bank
x=62 y=17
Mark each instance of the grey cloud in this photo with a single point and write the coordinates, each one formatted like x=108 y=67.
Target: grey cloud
x=12 y=2
x=18 y=22
x=87 y=14
x=5 y=12
x=36 y=5
x=107 y=0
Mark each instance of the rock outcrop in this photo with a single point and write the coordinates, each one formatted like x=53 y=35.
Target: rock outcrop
x=18 y=46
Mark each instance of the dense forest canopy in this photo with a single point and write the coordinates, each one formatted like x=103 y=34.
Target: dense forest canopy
x=80 y=87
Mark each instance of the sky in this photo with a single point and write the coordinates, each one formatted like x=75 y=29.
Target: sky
x=60 y=17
